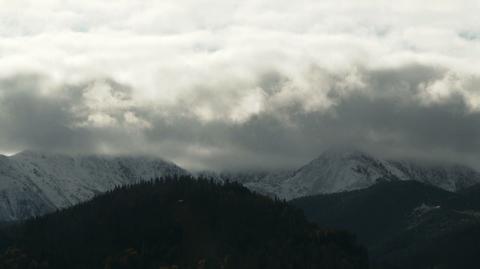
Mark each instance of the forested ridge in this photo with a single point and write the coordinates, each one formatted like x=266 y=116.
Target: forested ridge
x=405 y=224
x=178 y=222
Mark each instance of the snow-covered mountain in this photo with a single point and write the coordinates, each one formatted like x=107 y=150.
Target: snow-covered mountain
x=450 y=177
x=345 y=170
x=35 y=183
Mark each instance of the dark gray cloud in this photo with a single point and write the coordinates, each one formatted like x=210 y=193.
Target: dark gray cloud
x=31 y=120
x=253 y=84
x=395 y=112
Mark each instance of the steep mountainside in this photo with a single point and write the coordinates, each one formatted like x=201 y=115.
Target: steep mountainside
x=451 y=177
x=406 y=224
x=35 y=183
x=178 y=223
x=345 y=170
x=337 y=171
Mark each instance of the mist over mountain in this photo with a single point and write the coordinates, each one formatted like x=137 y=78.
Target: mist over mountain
x=239 y=85
x=365 y=114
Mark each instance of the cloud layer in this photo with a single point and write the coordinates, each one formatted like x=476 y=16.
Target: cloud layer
x=226 y=85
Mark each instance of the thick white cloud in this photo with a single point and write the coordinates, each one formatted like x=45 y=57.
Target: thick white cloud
x=120 y=66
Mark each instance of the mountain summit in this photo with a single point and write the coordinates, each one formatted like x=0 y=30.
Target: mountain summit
x=336 y=171
x=339 y=170
x=33 y=183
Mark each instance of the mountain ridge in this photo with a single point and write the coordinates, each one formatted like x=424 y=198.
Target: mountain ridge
x=405 y=224
x=35 y=183
x=346 y=170
x=178 y=222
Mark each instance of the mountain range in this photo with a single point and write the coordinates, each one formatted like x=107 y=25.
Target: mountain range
x=34 y=183
x=409 y=214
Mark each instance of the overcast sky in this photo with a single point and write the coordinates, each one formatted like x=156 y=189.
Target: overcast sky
x=223 y=84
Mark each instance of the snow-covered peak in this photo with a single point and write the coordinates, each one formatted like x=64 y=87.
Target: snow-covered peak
x=33 y=183
x=338 y=170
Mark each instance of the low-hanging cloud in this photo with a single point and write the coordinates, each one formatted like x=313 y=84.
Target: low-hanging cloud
x=212 y=84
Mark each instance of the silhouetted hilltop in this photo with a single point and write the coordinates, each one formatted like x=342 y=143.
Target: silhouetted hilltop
x=178 y=222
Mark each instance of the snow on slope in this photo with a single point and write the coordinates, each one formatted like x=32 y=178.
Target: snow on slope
x=448 y=177
x=35 y=183
x=336 y=171
x=19 y=198
x=346 y=170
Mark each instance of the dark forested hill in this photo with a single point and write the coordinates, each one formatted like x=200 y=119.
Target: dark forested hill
x=406 y=224
x=472 y=194
x=178 y=223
